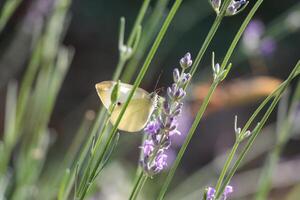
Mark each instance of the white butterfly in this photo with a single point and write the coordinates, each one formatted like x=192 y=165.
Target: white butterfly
x=138 y=111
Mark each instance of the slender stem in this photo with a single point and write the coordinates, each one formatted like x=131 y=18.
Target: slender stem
x=92 y=152
x=227 y=164
x=119 y=69
x=241 y=30
x=150 y=29
x=138 y=21
x=83 y=153
x=7 y=11
x=138 y=185
x=250 y=142
x=209 y=37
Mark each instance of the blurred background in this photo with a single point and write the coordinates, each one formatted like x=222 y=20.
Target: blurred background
x=264 y=57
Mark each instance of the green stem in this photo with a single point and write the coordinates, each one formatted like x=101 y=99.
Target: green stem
x=149 y=30
x=119 y=69
x=227 y=164
x=209 y=37
x=7 y=11
x=92 y=155
x=138 y=21
x=82 y=155
x=250 y=142
x=138 y=185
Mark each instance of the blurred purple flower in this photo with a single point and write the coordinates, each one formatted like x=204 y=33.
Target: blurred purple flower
x=211 y=192
x=268 y=46
x=171 y=156
x=38 y=12
x=254 y=41
x=252 y=35
x=185 y=121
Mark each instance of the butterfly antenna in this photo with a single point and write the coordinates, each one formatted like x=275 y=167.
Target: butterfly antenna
x=159 y=76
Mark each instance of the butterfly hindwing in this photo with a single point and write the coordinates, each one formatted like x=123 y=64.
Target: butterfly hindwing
x=136 y=115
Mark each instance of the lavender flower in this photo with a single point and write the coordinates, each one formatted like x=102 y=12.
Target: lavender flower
x=235 y=7
x=211 y=193
x=161 y=161
x=164 y=125
x=148 y=147
x=216 y=4
x=152 y=127
x=186 y=61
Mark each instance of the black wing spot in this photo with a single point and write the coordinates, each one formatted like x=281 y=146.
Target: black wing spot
x=119 y=103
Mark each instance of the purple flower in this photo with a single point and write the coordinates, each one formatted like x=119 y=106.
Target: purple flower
x=227 y=191
x=235 y=6
x=176 y=75
x=252 y=36
x=152 y=127
x=216 y=5
x=161 y=161
x=254 y=42
x=186 y=61
x=210 y=194
x=148 y=147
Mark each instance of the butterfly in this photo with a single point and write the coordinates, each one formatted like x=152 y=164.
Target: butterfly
x=138 y=111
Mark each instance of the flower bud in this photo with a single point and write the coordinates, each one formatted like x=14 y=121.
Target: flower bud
x=186 y=61
x=216 y=4
x=176 y=75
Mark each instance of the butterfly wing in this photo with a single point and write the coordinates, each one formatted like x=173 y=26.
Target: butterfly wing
x=104 y=90
x=138 y=111
x=136 y=115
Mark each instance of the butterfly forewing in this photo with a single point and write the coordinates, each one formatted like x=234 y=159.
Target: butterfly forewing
x=138 y=111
